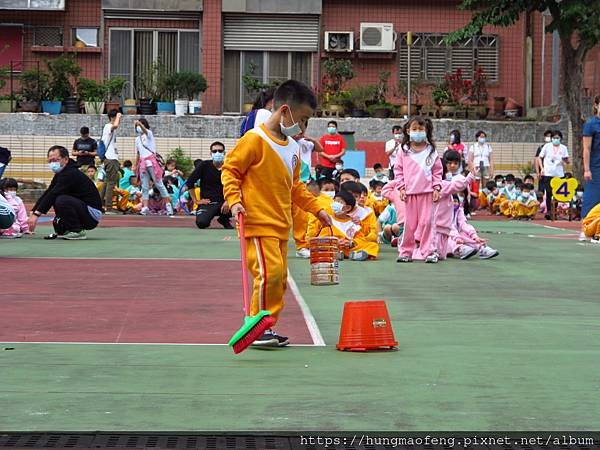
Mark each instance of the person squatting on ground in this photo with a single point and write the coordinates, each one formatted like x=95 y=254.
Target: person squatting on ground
x=261 y=179
x=8 y=189
x=418 y=172
x=74 y=197
x=148 y=168
x=212 y=201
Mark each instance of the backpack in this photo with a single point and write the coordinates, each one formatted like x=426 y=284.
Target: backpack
x=101 y=147
x=248 y=122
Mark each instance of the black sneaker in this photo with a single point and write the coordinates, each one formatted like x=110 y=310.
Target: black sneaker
x=271 y=339
x=226 y=223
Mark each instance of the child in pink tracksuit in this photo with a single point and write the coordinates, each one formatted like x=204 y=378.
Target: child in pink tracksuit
x=444 y=210
x=8 y=188
x=463 y=238
x=418 y=173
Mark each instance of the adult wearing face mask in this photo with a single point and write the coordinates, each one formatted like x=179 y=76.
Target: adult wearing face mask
x=481 y=152
x=334 y=147
x=591 y=160
x=74 y=197
x=553 y=157
x=147 y=167
x=212 y=202
x=392 y=146
x=111 y=159
x=537 y=163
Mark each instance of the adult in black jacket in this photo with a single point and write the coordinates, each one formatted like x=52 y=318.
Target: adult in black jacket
x=212 y=202
x=74 y=197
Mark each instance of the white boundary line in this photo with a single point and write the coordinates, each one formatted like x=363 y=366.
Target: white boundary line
x=112 y=258
x=311 y=323
x=134 y=343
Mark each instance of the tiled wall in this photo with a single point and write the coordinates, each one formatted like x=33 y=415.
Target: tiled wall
x=212 y=43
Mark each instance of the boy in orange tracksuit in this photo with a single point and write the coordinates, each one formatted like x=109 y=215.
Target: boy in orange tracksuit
x=261 y=179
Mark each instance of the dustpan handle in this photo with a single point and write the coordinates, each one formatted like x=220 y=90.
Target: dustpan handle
x=245 y=287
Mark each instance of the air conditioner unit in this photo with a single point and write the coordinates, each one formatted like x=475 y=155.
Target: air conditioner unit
x=377 y=37
x=339 y=41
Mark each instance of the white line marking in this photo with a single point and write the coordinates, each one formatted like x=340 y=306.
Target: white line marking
x=107 y=258
x=136 y=343
x=311 y=323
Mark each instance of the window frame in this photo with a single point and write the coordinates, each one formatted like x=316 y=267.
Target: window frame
x=265 y=74
x=155 y=32
x=74 y=36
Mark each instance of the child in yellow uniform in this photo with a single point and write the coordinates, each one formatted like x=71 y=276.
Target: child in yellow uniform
x=358 y=241
x=376 y=201
x=261 y=179
x=526 y=205
x=484 y=194
x=590 y=225
x=328 y=188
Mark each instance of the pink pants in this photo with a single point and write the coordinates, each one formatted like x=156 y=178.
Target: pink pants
x=442 y=245
x=418 y=220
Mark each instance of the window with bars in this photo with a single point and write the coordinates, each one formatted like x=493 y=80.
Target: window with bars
x=132 y=52
x=431 y=57
x=269 y=67
x=33 y=4
x=48 y=36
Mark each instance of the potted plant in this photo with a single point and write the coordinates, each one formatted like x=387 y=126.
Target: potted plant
x=188 y=85
x=63 y=72
x=478 y=95
x=252 y=85
x=338 y=71
x=146 y=91
x=114 y=91
x=34 y=87
x=415 y=96
x=93 y=94
x=382 y=108
x=7 y=102
x=165 y=90
x=361 y=97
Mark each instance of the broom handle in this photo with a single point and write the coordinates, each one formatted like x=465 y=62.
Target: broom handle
x=245 y=287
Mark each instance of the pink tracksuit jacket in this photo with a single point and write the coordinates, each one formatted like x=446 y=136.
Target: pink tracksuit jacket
x=419 y=173
x=20 y=225
x=444 y=210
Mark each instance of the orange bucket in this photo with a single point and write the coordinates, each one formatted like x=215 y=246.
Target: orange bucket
x=366 y=326
x=324 y=263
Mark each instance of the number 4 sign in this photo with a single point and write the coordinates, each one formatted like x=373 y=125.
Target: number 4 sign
x=563 y=190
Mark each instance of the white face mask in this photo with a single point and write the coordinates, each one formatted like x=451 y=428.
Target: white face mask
x=10 y=194
x=329 y=194
x=339 y=167
x=397 y=136
x=579 y=194
x=292 y=130
x=337 y=207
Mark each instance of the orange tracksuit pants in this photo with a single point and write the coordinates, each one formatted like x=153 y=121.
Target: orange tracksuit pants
x=267 y=262
x=300 y=225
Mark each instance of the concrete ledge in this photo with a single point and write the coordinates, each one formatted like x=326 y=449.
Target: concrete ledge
x=227 y=127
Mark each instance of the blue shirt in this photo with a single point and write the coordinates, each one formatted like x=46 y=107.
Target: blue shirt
x=592 y=129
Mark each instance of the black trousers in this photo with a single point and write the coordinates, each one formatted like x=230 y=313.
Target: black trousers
x=206 y=213
x=545 y=186
x=71 y=215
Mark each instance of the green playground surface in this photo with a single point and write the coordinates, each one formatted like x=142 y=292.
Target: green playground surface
x=511 y=343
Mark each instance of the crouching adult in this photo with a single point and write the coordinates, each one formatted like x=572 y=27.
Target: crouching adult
x=74 y=197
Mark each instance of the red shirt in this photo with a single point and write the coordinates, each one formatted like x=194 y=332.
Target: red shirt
x=332 y=145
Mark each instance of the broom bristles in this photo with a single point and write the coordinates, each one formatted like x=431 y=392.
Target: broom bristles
x=254 y=333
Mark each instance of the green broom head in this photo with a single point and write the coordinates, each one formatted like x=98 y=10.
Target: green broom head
x=253 y=328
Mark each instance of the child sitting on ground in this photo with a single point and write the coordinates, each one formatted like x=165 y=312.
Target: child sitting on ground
x=590 y=225
x=526 y=206
x=376 y=201
x=576 y=204
x=484 y=194
x=379 y=174
x=156 y=204
x=8 y=189
x=463 y=239
x=388 y=228
x=358 y=242
x=328 y=188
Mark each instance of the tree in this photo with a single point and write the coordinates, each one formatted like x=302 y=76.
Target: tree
x=578 y=25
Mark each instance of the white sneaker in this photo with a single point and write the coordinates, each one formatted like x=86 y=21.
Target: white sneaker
x=582 y=237
x=595 y=240
x=359 y=255
x=303 y=253
x=487 y=252
x=145 y=211
x=467 y=251
x=169 y=209
x=432 y=259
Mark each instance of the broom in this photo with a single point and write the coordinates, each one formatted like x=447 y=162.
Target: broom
x=255 y=326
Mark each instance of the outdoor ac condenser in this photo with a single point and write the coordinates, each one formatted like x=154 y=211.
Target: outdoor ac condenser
x=377 y=37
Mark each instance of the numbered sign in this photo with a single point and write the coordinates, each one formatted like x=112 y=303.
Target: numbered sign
x=563 y=190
